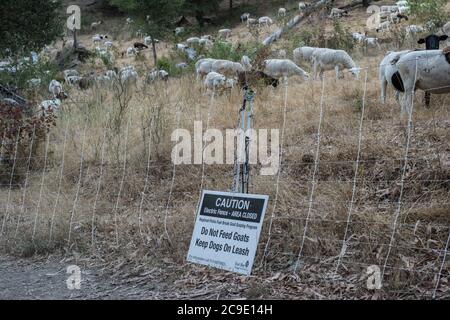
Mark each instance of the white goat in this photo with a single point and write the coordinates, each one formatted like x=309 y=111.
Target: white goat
x=246 y=64
x=329 y=59
x=282 y=12
x=413 y=29
x=433 y=74
x=214 y=81
x=245 y=16
x=128 y=76
x=34 y=82
x=277 y=68
x=251 y=22
x=282 y=54
x=131 y=51
x=358 y=37
x=389 y=8
x=303 y=54
x=157 y=74
x=50 y=105
x=227 y=67
x=301 y=6
x=72 y=80
x=224 y=33
x=193 y=41
x=179 y=30
x=55 y=88
x=265 y=20
x=205 y=43
x=70 y=72
x=337 y=13
x=182 y=65
x=387 y=70
x=95 y=24
x=446 y=28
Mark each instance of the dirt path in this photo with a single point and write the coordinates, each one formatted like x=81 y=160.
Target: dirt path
x=26 y=279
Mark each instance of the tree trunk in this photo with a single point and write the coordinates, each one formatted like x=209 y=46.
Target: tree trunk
x=155 y=58
x=199 y=17
x=231 y=4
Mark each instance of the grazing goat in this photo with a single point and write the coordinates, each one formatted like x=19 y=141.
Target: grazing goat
x=224 y=33
x=337 y=13
x=214 y=81
x=70 y=72
x=95 y=24
x=278 y=68
x=55 y=88
x=50 y=105
x=246 y=64
x=446 y=28
x=251 y=22
x=303 y=54
x=413 y=29
x=245 y=16
x=181 y=65
x=128 y=76
x=427 y=70
x=301 y=6
x=157 y=74
x=205 y=43
x=282 y=54
x=72 y=80
x=34 y=82
x=131 y=51
x=205 y=66
x=178 y=30
x=265 y=20
x=358 y=37
x=98 y=38
x=389 y=8
x=329 y=59
x=193 y=41
x=282 y=12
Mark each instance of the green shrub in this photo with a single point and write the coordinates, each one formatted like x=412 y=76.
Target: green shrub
x=26 y=70
x=432 y=11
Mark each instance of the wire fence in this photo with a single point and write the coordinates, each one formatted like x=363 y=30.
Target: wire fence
x=327 y=225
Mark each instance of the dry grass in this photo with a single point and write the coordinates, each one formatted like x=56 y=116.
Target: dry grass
x=152 y=113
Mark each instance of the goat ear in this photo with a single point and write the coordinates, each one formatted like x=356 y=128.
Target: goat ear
x=444 y=37
x=421 y=41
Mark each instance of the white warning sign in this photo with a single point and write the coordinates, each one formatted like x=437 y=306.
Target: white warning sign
x=227 y=229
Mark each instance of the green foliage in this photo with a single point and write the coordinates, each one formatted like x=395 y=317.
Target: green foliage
x=429 y=11
x=199 y=8
x=161 y=13
x=25 y=70
x=27 y=25
x=225 y=50
x=341 y=38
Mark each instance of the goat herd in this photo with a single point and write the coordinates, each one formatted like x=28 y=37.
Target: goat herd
x=405 y=71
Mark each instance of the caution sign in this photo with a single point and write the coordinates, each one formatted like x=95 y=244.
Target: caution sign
x=227 y=229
